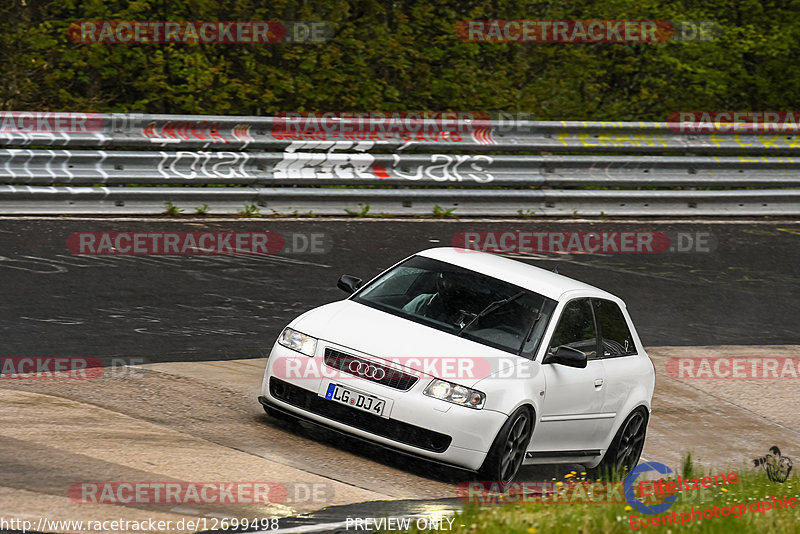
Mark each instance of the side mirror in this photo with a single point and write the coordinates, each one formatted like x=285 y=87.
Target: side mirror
x=348 y=283
x=568 y=356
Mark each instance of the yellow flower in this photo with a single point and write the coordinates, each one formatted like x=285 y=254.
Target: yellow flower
x=532 y=530
x=568 y=475
x=628 y=508
x=583 y=473
x=724 y=489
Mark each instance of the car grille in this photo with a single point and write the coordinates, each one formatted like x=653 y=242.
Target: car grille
x=387 y=428
x=386 y=375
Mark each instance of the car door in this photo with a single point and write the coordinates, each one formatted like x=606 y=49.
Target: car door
x=571 y=414
x=621 y=361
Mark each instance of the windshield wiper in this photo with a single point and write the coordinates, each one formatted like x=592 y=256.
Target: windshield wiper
x=529 y=333
x=489 y=309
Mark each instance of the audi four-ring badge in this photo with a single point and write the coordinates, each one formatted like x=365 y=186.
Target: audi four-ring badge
x=470 y=359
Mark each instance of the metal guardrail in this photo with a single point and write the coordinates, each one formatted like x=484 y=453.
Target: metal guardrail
x=464 y=202
x=279 y=169
x=30 y=167
x=178 y=132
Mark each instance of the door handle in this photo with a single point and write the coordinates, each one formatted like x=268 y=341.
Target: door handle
x=598 y=383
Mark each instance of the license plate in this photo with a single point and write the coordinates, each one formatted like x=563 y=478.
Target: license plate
x=355 y=399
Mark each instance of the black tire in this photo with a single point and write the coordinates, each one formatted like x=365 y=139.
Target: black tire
x=508 y=449
x=626 y=448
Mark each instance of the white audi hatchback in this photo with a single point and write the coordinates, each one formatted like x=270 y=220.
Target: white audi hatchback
x=472 y=360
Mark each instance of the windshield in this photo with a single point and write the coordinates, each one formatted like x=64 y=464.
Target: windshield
x=463 y=303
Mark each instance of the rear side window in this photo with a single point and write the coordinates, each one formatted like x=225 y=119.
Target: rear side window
x=617 y=339
x=576 y=329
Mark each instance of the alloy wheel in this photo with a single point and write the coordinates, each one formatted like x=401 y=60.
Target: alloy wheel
x=631 y=442
x=516 y=443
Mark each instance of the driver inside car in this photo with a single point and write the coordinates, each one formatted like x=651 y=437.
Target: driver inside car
x=448 y=304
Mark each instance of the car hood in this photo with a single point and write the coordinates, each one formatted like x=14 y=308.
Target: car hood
x=412 y=345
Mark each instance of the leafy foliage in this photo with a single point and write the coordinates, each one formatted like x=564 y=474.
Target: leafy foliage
x=401 y=54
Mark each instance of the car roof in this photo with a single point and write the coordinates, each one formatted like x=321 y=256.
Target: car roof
x=547 y=283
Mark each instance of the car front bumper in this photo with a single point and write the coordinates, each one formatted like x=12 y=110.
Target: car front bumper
x=414 y=423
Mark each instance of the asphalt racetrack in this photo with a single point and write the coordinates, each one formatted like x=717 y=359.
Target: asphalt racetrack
x=743 y=291
x=183 y=338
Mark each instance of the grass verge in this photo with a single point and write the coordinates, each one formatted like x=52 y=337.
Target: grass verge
x=591 y=507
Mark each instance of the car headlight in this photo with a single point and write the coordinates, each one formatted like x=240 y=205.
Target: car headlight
x=446 y=391
x=298 y=341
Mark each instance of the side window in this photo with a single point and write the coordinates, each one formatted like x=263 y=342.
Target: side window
x=576 y=328
x=617 y=339
x=395 y=287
